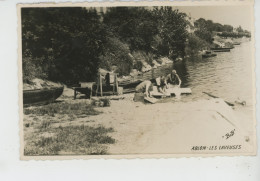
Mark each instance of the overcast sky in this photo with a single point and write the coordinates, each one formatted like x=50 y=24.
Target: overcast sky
x=232 y=15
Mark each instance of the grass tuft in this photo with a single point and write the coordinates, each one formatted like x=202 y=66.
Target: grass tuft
x=63 y=108
x=73 y=139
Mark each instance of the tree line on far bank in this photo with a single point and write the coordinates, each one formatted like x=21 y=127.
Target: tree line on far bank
x=70 y=44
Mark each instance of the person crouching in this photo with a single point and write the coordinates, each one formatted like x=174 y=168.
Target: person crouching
x=144 y=87
x=143 y=90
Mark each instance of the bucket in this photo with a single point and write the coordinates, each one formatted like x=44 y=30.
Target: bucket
x=120 y=90
x=139 y=97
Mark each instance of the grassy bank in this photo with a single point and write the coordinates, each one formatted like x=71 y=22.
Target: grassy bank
x=49 y=130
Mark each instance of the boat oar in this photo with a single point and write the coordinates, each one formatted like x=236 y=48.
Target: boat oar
x=228 y=103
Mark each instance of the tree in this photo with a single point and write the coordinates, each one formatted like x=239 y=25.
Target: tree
x=116 y=53
x=228 y=28
x=133 y=25
x=64 y=42
x=172 y=31
x=240 y=29
x=203 y=30
x=195 y=44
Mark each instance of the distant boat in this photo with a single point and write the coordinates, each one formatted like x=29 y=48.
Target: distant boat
x=221 y=49
x=236 y=43
x=208 y=54
x=225 y=50
x=41 y=96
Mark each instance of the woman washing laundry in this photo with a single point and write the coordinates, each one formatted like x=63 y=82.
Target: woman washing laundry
x=160 y=83
x=173 y=79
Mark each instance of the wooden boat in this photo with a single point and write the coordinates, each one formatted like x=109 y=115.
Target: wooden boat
x=41 y=96
x=208 y=54
x=226 y=49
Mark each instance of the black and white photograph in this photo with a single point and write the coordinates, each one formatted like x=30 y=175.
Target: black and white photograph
x=136 y=81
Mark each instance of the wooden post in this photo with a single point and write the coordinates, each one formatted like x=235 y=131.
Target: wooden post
x=75 y=93
x=101 y=90
x=91 y=90
x=116 y=84
x=97 y=85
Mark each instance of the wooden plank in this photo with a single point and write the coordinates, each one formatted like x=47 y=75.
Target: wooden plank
x=159 y=94
x=116 y=84
x=151 y=100
x=228 y=103
x=179 y=91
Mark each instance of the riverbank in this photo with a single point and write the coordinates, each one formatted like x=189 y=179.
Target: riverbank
x=128 y=127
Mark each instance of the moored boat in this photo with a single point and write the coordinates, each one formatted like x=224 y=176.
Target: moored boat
x=208 y=54
x=41 y=96
x=236 y=43
x=225 y=49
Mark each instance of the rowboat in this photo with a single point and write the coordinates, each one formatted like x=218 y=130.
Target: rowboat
x=41 y=96
x=208 y=54
x=226 y=49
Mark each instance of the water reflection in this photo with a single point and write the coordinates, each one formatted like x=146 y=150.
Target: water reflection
x=228 y=75
x=182 y=71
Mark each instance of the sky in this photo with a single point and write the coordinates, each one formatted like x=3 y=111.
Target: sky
x=231 y=15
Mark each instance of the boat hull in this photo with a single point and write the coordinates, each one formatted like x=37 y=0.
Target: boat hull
x=221 y=48
x=208 y=55
x=225 y=50
x=41 y=96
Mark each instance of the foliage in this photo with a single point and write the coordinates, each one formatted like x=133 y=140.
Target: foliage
x=66 y=48
x=234 y=34
x=171 y=25
x=206 y=27
x=204 y=30
x=211 y=26
x=138 y=65
x=116 y=53
x=31 y=70
x=133 y=25
x=68 y=45
x=195 y=44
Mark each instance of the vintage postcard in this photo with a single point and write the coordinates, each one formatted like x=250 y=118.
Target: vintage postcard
x=136 y=80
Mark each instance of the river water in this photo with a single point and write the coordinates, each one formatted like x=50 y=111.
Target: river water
x=229 y=75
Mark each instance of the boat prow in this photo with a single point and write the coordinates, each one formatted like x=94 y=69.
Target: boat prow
x=41 y=96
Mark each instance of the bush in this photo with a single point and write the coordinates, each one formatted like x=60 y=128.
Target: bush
x=116 y=53
x=195 y=44
x=138 y=65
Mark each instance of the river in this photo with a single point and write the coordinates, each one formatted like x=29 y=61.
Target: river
x=229 y=75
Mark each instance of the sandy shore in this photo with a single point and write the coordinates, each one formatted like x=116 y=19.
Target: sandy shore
x=172 y=127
